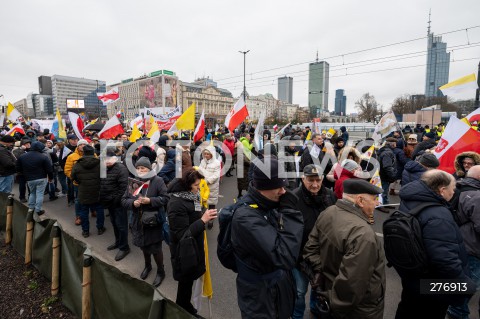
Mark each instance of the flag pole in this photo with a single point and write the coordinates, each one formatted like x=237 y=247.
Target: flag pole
x=210 y=307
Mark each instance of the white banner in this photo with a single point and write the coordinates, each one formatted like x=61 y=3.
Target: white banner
x=42 y=124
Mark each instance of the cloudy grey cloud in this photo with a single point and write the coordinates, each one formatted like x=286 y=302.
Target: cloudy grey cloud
x=115 y=40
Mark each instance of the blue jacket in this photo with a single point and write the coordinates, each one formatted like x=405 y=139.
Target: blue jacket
x=35 y=164
x=401 y=160
x=447 y=256
x=412 y=171
x=167 y=173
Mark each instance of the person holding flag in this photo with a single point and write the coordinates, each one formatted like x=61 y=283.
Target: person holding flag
x=186 y=220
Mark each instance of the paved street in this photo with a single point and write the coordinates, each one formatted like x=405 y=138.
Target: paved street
x=224 y=302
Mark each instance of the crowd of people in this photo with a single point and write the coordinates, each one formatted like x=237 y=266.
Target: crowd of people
x=304 y=220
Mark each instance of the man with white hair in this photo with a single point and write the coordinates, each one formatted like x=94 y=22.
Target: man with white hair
x=346 y=255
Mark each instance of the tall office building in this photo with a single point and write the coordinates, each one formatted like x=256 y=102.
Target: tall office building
x=285 y=89
x=70 y=88
x=318 y=76
x=340 y=102
x=438 y=65
x=45 y=85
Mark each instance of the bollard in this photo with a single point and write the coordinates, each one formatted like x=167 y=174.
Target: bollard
x=56 y=243
x=8 y=230
x=86 y=286
x=29 y=239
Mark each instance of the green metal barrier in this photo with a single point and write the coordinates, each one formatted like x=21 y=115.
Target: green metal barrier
x=114 y=294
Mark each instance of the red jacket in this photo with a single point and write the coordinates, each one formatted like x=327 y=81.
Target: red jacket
x=228 y=147
x=340 y=177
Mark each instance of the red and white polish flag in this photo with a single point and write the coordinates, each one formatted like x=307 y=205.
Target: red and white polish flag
x=112 y=128
x=237 y=115
x=17 y=128
x=109 y=97
x=77 y=124
x=474 y=116
x=457 y=138
x=200 y=129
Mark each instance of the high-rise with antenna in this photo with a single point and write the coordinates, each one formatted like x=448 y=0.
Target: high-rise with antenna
x=438 y=63
x=318 y=80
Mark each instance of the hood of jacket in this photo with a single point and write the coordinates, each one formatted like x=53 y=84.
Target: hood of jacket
x=418 y=192
x=468 y=181
x=88 y=162
x=171 y=154
x=37 y=146
x=414 y=167
x=459 y=159
x=387 y=148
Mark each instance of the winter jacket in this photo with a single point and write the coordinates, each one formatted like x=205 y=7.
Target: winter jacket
x=167 y=173
x=306 y=159
x=113 y=186
x=157 y=192
x=86 y=173
x=344 y=135
x=388 y=166
x=290 y=167
x=183 y=216
x=35 y=164
x=459 y=170
x=267 y=252
x=412 y=171
x=229 y=147
x=311 y=206
x=70 y=162
x=7 y=161
x=400 y=159
x=423 y=146
x=468 y=214
x=443 y=242
x=344 y=248
x=341 y=175
x=186 y=158
x=63 y=159
x=211 y=170
x=247 y=148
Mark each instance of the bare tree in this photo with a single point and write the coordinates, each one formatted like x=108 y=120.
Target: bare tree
x=367 y=107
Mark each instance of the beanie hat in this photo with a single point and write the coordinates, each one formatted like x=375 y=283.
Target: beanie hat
x=143 y=161
x=262 y=182
x=162 y=141
x=429 y=160
x=88 y=150
x=349 y=165
x=82 y=142
x=147 y=152
x=430 y=135
x=7 y=139
x=110 y=152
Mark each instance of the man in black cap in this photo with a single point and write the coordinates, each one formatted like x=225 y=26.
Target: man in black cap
x=266 y=236
x=347 y=256
x=313 y=198
x=112 y=188
x=86 y=173
x=7 y=164
x=428 y=142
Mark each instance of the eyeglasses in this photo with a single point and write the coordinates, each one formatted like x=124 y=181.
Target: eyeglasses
x=468 y=163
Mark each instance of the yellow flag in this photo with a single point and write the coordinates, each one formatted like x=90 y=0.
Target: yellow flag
x=204 y=193
x=207 y=289
x=61 y=130
x=187 y=120
x=94 y=121
x=136 y=134
x=154 y=127
x=309 y=136
x=465 y=120
x=368 y=154
x=12 y=113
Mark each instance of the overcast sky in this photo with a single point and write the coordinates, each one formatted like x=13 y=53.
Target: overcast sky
x=115 y=40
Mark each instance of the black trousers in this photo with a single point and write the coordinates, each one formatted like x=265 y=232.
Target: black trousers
x=416 y=306
x=184 y=294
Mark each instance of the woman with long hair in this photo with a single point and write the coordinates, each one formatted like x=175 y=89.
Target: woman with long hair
x=185 y=215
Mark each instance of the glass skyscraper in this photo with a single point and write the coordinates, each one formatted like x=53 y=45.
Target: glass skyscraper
x=318 y=76
x=340 y=102
x=285 y=89
x=438 y=66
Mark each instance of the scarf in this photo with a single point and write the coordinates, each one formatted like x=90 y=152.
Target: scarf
x=188 y=196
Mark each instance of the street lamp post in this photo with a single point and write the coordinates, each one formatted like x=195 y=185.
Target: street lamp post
x=244 y=60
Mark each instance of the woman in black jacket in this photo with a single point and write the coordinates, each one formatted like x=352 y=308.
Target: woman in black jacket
x=185 y=214
x=152 y=198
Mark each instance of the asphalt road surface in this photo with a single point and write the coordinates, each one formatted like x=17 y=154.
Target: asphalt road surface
x=224 y=302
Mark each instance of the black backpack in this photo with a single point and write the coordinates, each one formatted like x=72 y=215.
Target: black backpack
x=403 y=241
x=225 y=252
x=459 y=218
